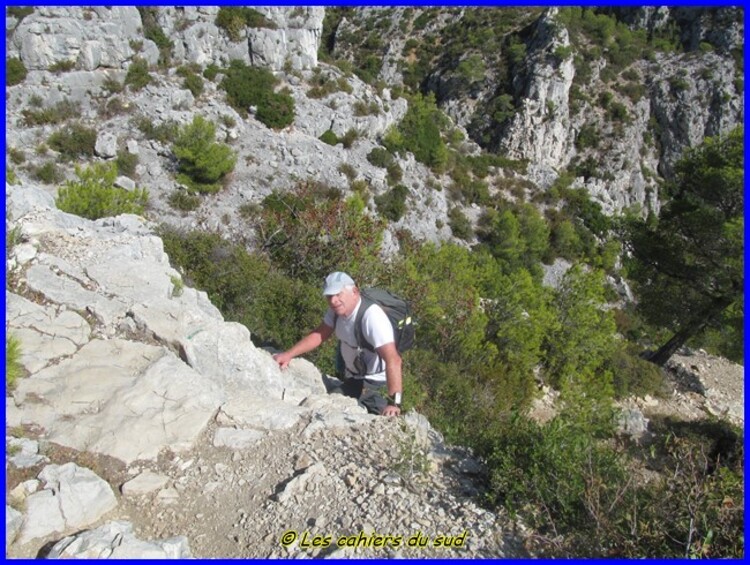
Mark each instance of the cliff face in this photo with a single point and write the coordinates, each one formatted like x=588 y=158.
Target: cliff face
x=558 y=82
x=555 y=87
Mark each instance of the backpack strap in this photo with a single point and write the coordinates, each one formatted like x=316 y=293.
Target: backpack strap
x=361 y=341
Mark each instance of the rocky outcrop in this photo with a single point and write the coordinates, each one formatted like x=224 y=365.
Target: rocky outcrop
x=110 y=37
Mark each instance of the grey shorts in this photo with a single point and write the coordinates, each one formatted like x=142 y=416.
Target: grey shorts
x=369 y=394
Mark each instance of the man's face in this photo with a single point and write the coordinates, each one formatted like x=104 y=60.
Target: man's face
x=344 y=302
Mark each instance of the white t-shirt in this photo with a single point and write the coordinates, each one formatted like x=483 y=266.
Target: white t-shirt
x=376 y=330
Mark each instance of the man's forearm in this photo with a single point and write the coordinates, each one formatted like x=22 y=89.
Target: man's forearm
x=306 y=344
x=393 y=376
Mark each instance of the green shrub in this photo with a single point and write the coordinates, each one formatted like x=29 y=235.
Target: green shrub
x=460 y=224
x=165 y=132
x=10 y=176
x=13 y=367
x=201 y=161
x=276 y=110
x=17 y=156
x=48 y=173
x=380 y=157
x=329 y=137
x=528 y=461
x=15 y=71
x=348 y=171
x=349 y=138
x=210 y=72
x=19 y=12
x=634 y=376
x=73 y=141
x=95 y=196
x=153 y=31
x=137 y=76
x=247 y=289
x=419 y=132
x=112 y=85
x=184 y=201
x=194 y=83
x=60 y=112
x=126 y=163
x=295 y=221
x=395 y=173
x=252 y=86
x=62 y=67
x=392 y=204
x=234 y=20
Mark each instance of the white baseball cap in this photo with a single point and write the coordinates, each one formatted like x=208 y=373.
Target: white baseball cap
x=335 y=283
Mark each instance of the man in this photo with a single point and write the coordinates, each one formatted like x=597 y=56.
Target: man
x=370 y=375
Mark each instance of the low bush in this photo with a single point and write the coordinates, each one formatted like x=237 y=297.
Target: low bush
x=460 y=224
x=194 y=83
x=60 y=112
x=184 y=201
x=126 y=163
x=235 y=19
x=137 y=76
x=48 y=173
x=15 y=71
x=201 y=161
x=252 y=86
x=74 y=141
x=94 y=195
x=165 y=132
x=62 y=67
x=13 y=367
x=329 y=137
x=380 y=157
x=276 y=110
x=392 y=204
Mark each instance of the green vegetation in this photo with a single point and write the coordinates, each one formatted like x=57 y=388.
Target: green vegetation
x=48 y=173
x=94 y=195
x=62 y=67
x=252 y=86
x=201 y=161
x=15 y=71
x=153 y=31
x=392 y=204
x=137 y=76
x=184 y=200
x=13 y=367
x=420 y=133
x=192 y=80
x=688 y=263
x=165 y=132
x=74 y=141
x=234 y=20
x=126 y=163
x=329 y=137
x=60 y=112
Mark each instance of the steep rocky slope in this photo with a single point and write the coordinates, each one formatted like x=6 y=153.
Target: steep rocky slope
x=140 y=404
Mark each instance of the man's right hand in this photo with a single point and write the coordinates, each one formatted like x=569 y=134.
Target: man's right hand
x=282 y=359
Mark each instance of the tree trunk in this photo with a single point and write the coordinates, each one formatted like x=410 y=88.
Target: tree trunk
x=662 y=355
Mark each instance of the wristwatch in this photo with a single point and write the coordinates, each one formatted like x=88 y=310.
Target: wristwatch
x=395 y=400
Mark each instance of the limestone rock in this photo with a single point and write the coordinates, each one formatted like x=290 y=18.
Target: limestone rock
x=115 y=540
x=73 y=497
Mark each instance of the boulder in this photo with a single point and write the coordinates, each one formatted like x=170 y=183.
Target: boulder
x=115 y=540
x=73 y=497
